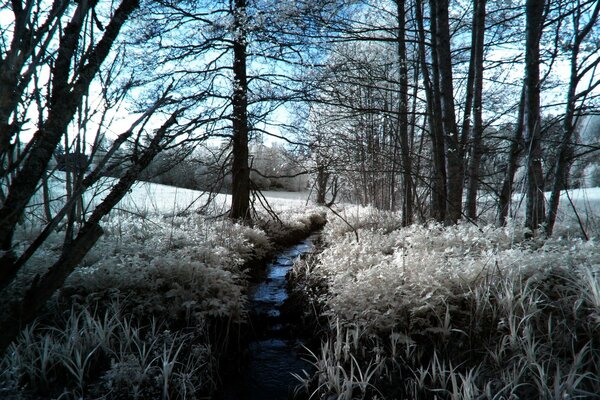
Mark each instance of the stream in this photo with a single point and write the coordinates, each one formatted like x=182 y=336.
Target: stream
x=274 y=351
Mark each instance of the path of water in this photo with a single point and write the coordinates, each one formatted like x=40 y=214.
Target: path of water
x=274 y=351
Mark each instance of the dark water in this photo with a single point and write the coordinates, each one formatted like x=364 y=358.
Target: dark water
x=274 y=353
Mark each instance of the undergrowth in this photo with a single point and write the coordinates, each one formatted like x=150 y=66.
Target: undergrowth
x=148 y=314
x=108 y=354
x=432 y=312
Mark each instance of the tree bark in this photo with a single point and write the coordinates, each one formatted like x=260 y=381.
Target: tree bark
x=534 y=213
x=407 y=179
x=476 y=147
x=438 y=181
x=504 y=199
x=322 y=179
x=455 y=150
x=240 y=198
x=25 y=47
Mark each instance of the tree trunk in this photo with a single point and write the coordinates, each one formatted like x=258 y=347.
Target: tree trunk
x=10 y=264
x=534 y=213
x=322 y=179
x=438 y=179
x=455 y=150
x=240 y=173
x=26 y=46
x=504 y=200
x=563 y=165
x=476 y=150
x=407 y=180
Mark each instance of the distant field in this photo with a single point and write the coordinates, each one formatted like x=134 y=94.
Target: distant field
x=154 y=198
x=145 y=197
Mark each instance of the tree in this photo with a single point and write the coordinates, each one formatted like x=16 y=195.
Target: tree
x=584 y=19
x=439 y=195
x=247 y=56
x=534 y=213
x=477 y=54
x=62 y=101
x=515 y=148
x=444 y=83
x=407 y=175
x=240 y=172
x=77 y=61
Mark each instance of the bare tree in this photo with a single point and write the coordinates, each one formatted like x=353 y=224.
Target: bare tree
x=74 y=60
x=68 y=86
x=534 y=11
x=403 y=128
x=477 y=54
x=584 y=16
x=240 y=198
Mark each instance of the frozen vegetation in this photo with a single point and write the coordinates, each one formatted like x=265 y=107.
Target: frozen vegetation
x=460 y=312
x=427 y=311
x=148 y=312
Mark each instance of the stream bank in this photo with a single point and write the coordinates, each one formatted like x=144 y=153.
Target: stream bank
x=269 y=348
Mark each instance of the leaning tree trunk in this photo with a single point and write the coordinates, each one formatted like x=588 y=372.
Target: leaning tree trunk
x=534 y=213
x=504 y=199
x=565 y=155
x=240 y=171
x=44 y=287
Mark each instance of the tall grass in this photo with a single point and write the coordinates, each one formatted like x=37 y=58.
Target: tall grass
x=456 y=313
x=108 y=355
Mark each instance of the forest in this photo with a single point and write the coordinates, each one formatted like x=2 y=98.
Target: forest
x=156 y=156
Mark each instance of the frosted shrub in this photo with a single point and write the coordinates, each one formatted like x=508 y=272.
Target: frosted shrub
x=185 y=271
x=457 y=312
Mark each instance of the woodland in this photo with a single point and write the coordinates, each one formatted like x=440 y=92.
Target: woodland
x=451 y=144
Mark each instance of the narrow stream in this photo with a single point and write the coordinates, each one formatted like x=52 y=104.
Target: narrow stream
x=274 y=350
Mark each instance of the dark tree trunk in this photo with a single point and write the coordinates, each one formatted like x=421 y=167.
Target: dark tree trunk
x=476 y=147
x=240 y=199
x=534 y=213
x=322 y=180
x=438 y=181
x=407 y=179
x=11 y=265
x=455 y=150
x=25 y=47
x=506 y=191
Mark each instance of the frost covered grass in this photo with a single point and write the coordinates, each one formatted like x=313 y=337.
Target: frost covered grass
x=151 y=308
x=108 y=354
x=457 y=312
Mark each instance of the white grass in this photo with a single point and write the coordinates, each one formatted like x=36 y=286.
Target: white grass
x=458 y=312
x=159 y=260
x=420 y=312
